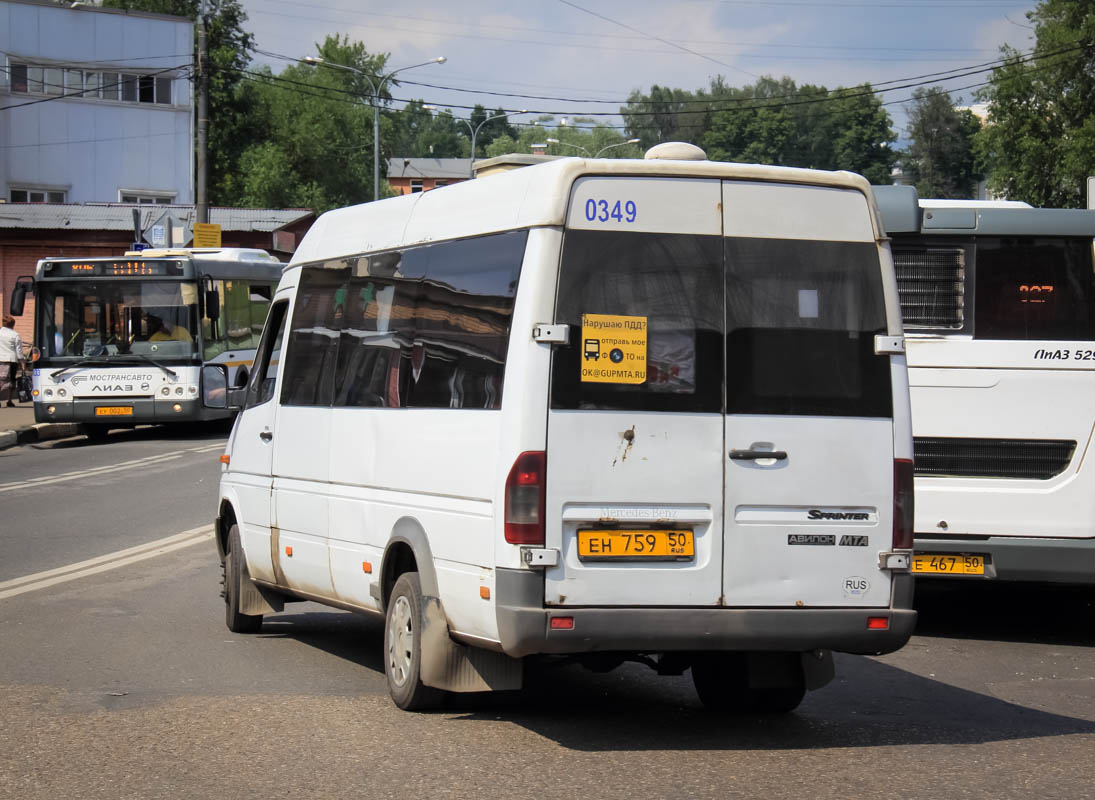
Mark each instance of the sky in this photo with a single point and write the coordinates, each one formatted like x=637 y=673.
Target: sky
x=568 y=57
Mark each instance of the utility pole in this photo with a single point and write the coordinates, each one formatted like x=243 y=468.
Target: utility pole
x=201 y=201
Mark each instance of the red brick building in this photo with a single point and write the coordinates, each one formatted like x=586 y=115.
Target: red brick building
x=410 y=175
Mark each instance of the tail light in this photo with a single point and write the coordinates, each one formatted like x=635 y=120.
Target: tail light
x=525 y=498
x=902 y=503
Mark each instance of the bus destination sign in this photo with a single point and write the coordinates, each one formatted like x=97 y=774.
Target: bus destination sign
x=121 y=268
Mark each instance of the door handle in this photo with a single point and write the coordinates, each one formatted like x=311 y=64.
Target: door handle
x=266 y=436
x=753 y=455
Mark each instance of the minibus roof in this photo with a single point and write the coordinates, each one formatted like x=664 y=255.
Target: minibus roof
x=533 y=196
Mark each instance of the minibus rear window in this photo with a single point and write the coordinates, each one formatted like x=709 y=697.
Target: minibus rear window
x=674 y=283
x=801 y=319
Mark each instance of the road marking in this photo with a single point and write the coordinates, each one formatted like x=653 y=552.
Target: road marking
x=93 y=566
x=91 y=472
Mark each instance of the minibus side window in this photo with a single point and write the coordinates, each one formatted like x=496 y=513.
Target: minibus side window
x=801 y=317
x=462 y=322
x=672 y=281
x=264 y=376
x=313 y=336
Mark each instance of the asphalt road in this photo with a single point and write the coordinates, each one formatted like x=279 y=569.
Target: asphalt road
x=124 y=682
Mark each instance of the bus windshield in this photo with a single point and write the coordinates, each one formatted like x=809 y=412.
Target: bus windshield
x=116 y=319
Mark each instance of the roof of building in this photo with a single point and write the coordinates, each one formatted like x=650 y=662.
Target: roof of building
x=429 y=167
x=119 y=216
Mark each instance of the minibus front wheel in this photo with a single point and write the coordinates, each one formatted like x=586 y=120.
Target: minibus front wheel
x=403 y=647
x=232 y=575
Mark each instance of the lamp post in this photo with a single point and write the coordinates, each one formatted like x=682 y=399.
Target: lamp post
x=618 y=144
x=598 y=153
x=376 y=89
x=549 y=140
x=474 y=132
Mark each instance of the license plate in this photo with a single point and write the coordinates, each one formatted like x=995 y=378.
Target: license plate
x=646 y=545
x=114 y=411
x=948 y=565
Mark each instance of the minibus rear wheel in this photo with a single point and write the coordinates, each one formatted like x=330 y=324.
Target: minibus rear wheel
x=403 y=647
x=233 y=570
x=722 y=682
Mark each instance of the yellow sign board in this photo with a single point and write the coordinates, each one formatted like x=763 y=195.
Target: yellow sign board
x=207 y=234
x=613 y=349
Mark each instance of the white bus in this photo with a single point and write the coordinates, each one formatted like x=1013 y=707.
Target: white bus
x=123 y=341
x=600 y=410
x=998 y=300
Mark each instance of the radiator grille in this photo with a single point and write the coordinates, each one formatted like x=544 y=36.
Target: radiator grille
x=929 y=283
x=1037 y=459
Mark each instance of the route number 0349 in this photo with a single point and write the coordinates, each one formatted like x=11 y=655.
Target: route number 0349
x=601 y=211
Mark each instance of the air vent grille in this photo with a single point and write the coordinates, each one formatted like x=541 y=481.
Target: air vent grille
x=930 y=284
x=1035 y=459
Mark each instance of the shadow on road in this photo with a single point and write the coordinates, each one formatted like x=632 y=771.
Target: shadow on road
x=871 y=704
x=184 y=431
x=1006 y=612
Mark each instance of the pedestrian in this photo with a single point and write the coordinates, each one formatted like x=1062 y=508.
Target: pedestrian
x=11 y=359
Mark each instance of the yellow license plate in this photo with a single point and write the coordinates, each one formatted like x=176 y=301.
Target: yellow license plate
x=644 y=545
x=114 y=411
x=935 y=564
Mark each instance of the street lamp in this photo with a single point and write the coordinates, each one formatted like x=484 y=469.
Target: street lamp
x=568 y=144
x=376 y=89
x=475 y=134
x=618 y=144
x=598 y=153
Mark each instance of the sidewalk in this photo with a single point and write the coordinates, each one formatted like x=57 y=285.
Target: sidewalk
x=17 y=426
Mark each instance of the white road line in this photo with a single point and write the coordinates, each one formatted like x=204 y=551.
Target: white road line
x=91 y=472
x=93 y=566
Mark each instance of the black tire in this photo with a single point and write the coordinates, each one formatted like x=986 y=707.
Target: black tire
x=233 y=569
x=403 y=647
x=96 y=433
x=722 y=682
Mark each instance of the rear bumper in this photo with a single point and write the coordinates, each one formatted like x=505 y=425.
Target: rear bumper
x=1012 y=558
x=524 y=625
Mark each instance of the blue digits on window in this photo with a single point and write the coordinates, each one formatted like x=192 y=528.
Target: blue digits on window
x=600 y=211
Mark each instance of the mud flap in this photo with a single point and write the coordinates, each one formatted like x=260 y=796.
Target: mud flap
x=455 y=667
x=818 y=668
x=256 y=599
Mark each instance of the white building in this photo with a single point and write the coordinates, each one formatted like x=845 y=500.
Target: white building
x=95 y=104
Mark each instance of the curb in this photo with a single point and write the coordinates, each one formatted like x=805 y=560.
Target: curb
x=42 y=432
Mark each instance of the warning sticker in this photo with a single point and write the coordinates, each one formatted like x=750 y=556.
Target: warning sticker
x=613 y=349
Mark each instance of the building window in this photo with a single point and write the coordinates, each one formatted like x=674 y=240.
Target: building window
x=440 y=183
x=416 y=185
x=127 y=87
x=146 y=198
x=37 y=196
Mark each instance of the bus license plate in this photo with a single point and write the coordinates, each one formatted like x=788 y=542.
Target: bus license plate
x=114 y=411
x=645 y=545
x=936 y=564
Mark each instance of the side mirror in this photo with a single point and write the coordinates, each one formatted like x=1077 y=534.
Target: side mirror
x=237 y=397
x=215 y=386
x=19 y=296
x=212 y=304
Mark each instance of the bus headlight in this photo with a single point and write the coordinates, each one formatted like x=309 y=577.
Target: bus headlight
x=178 y=390
x=176 y=408
x=61 y=393
x=49 y=393
x=165 y=391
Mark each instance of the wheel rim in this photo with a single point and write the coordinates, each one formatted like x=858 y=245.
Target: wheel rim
x=400 y=641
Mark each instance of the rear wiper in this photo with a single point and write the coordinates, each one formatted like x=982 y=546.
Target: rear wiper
x=143 y=357
x=87 y=362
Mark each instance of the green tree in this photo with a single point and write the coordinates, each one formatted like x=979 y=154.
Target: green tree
x=776 y=122
x=1039 y=143
x=940 y=159
x=229 y=54
x=314 y=125
x=494 y=124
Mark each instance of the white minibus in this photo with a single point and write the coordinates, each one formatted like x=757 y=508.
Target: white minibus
x=596 y=410
x=998 y=300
